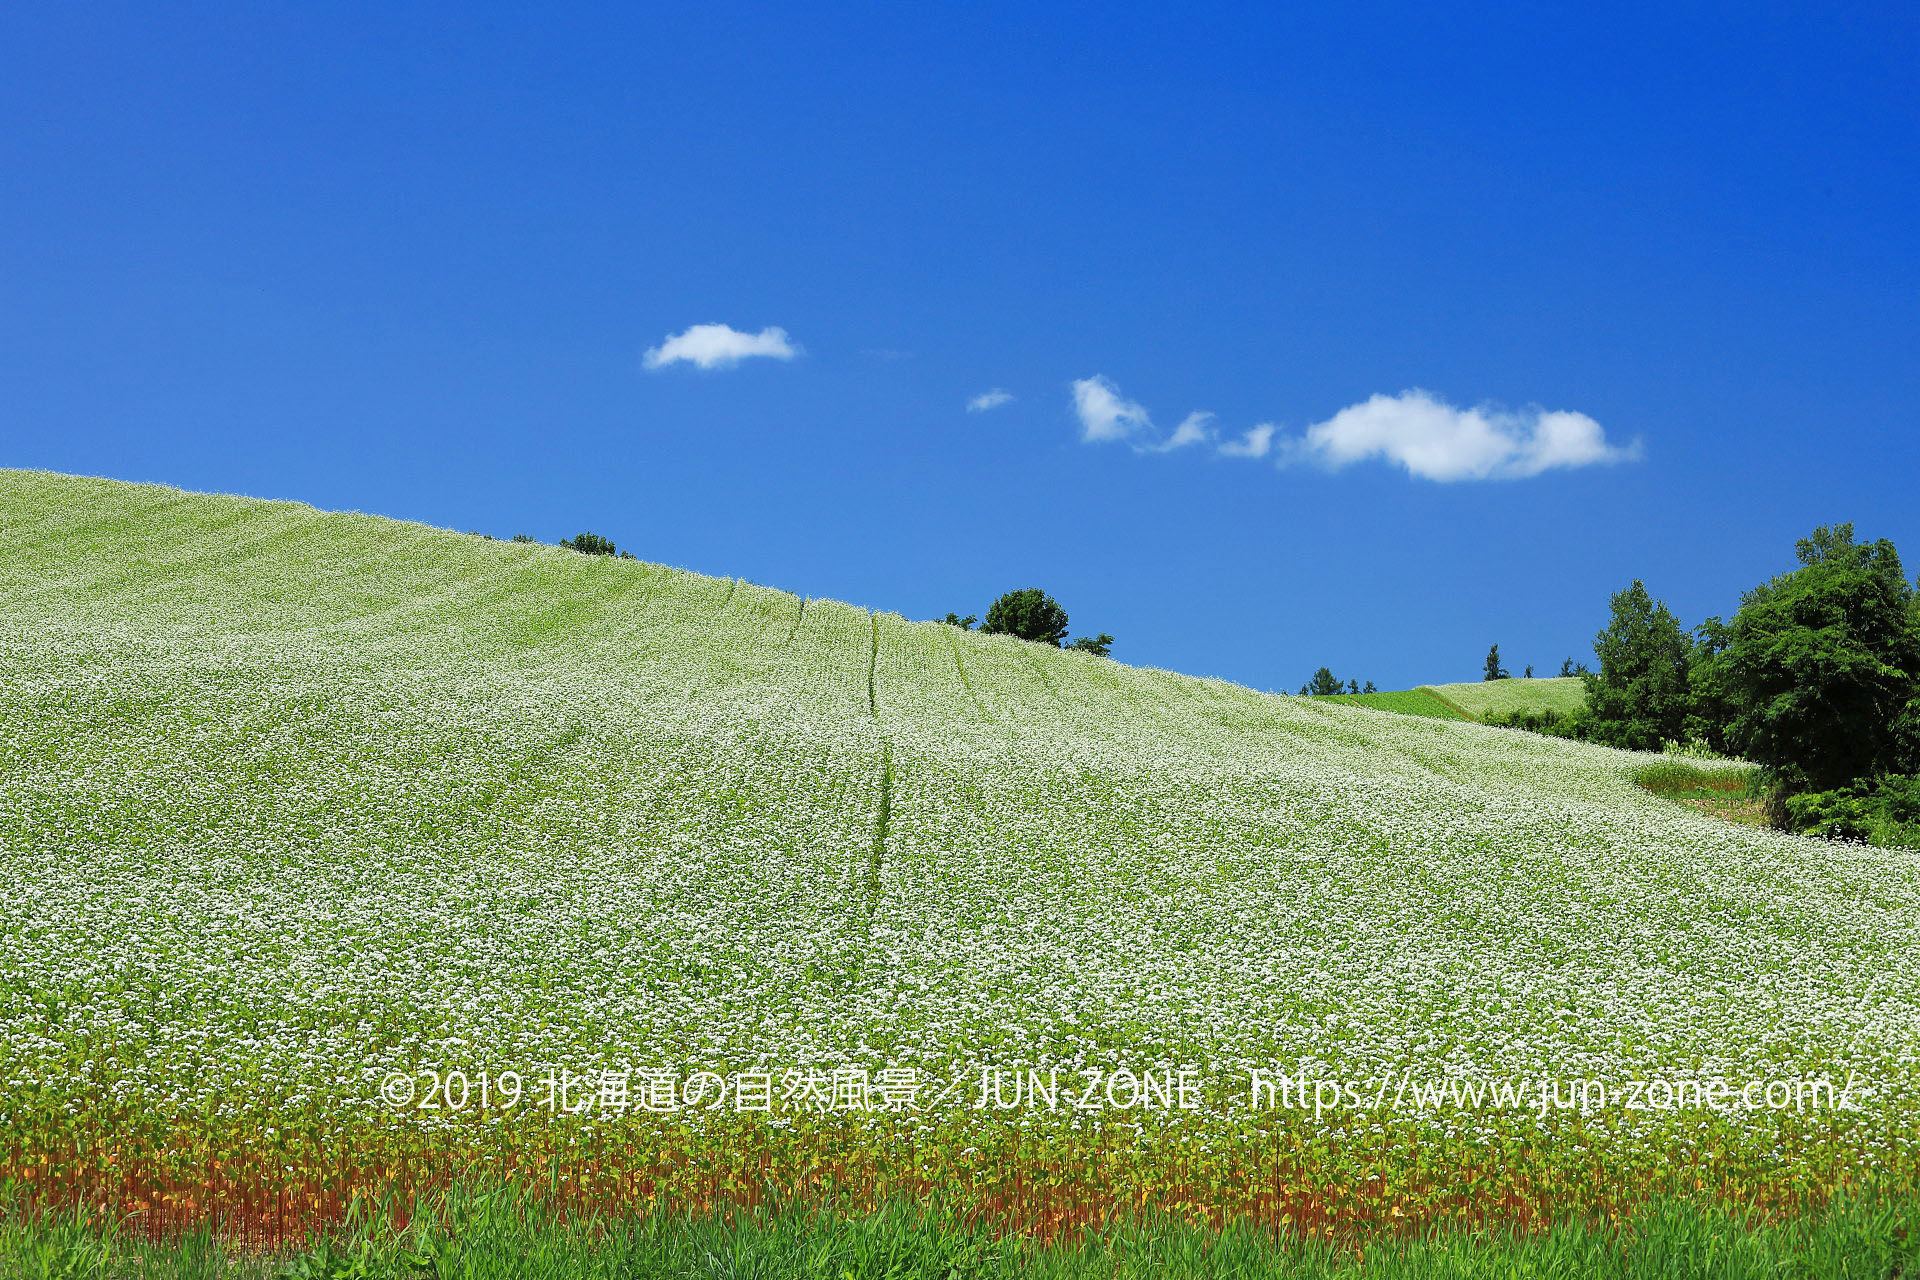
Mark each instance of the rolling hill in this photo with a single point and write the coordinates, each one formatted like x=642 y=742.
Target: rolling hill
x=295 y=804
x=1481 y=698
x=1475 y=701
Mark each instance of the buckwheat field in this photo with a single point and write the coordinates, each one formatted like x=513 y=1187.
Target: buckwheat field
x=337 y=852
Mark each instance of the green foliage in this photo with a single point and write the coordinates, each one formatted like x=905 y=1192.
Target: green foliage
x=589 y=544
x=1639 y=697
x=524 y=537
x=955 y=620
x=1494 y=670
x=1884 y=811
x=1548 y=720
x=1030 y=614
x=1324 y=682
x=1820 y=666
x=1100 y=646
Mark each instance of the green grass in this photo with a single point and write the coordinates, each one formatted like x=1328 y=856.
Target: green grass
x=1565 y=694
x=496 y=1237
x=1728 y=790
x=1407 y=702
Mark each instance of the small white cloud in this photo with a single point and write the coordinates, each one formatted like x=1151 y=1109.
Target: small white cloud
x=1254 y=444
x=719 y=346
x=989 y=400
x=1436 y=441
x=1193 y=429
x=1104 y=413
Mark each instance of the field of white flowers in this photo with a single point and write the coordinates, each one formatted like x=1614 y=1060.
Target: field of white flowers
x=293 y=802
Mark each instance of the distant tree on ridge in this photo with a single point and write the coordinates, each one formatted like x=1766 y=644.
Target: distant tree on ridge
x=1494 y=670
x=1030 y=614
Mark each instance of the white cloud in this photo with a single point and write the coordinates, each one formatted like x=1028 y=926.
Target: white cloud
x=719 y=346
x=1193 y=429
x=989 y=400
x=1254 y=444
x=1436 y=441
x=1415 y=429
x=1105 y=414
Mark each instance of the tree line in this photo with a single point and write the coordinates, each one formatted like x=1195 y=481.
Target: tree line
x=1324 y=683
x=1815 y=679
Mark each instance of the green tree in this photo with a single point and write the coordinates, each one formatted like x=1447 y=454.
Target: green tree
x=1371 y=688
x=588 y=544
x=1710 y=711
x=1639 y=699
x=955 y=620
x=1494 y=670
x=1821 y=666
x=1030 y=614
x=1099 y=646
x=1323 y=683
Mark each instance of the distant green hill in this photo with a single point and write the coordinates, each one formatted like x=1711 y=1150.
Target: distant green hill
x=1475 y=701
x=1481 y=698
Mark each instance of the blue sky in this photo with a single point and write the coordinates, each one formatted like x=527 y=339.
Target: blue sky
x=1654 y=269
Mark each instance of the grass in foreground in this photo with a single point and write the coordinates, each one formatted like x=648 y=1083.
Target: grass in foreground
x=477 y=1237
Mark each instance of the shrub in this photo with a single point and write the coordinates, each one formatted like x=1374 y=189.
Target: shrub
x=1884 y=811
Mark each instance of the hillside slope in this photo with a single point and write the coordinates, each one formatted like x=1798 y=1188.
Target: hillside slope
x=1408 y=702
x=1481 y=698
x=292 y=800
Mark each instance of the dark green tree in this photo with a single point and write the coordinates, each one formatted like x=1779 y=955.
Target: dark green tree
x=1639 y=699
x=1099 y=646
x=1710 y=710
x=1494 y=671
x=1528 y=674
x=1030 y=614
x=1821 y=666
x=1371 y=688
x=588 y=544
x=955 y=620
x=1323 y=683
x=524 y=537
